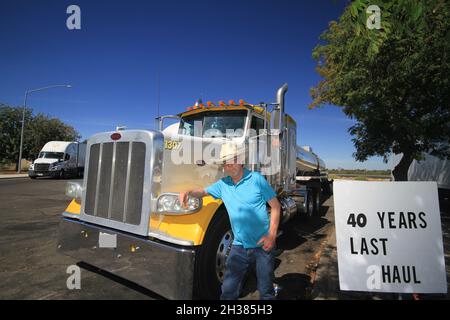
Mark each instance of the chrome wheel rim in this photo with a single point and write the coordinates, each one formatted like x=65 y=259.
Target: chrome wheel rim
x=222 y=254
x=310 y=205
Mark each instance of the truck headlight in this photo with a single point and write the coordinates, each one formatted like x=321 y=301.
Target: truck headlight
x=31 y=167
x=169 y=203
x=74 y=190
x=55 y=166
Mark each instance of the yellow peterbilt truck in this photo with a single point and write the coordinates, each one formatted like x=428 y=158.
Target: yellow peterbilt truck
x=125 y=218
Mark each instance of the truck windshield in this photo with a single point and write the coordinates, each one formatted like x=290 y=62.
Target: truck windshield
x=214 y=124
x=51 y=155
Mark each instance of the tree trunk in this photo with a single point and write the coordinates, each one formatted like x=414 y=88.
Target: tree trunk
x=400 y=172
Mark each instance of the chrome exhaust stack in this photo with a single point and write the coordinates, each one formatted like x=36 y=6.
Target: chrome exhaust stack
x=279 y=124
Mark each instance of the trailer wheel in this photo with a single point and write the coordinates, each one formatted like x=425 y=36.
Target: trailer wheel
x=211 y=257
x=310 y=204
x=328 y=188
x=317 y=202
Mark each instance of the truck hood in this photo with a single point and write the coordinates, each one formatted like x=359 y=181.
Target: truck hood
x=186 y=172
x=45 y=160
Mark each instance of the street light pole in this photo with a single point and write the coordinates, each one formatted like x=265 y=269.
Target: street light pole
x=19 y=166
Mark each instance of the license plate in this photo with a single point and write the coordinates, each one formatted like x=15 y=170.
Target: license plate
x=40 y=174
x=106 y=240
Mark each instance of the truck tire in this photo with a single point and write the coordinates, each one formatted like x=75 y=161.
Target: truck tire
x=317 y=202
x=328 y=188
x=310 y=204
x=211 y=257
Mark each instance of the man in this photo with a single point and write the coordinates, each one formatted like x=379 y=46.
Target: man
x=245 y=194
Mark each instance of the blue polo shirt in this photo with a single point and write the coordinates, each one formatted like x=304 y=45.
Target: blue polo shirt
x=246 y=206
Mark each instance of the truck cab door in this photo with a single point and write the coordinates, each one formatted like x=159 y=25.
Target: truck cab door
x=70 y=158
x=255 y=142
x=68 y=161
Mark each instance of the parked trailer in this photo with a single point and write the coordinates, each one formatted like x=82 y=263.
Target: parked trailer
x=430 y=168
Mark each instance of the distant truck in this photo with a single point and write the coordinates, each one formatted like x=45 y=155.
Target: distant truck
x=59 y=159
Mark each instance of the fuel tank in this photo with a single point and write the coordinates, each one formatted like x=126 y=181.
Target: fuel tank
x=307 y=160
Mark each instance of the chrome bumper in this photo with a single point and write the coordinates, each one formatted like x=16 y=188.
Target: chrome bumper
x=164 y=269
x=32 y=173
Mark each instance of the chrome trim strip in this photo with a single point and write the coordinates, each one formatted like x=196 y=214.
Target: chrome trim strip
x=127 y=183
x=97 y=187
x=71 y=215
x=111 y=186
x=170 y=239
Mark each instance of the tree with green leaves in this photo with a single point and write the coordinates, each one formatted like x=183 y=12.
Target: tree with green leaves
x=10 y=126
x=38 y=131
x=387 y=65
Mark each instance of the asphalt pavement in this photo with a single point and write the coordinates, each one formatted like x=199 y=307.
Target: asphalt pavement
x=30 y=268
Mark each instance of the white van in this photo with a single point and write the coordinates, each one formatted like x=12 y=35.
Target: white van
x=61 y=159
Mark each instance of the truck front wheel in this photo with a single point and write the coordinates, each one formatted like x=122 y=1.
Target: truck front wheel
x=211 y=257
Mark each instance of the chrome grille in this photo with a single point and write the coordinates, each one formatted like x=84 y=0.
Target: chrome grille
x=41 y=166
x=115 y=181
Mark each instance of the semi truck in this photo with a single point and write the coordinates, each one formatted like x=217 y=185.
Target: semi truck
x=126 y=218
x=61 y=159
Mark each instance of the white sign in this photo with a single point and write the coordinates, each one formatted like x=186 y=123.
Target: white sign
x=389 y=237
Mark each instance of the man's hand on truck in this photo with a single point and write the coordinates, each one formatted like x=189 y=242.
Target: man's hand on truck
x=197 y=193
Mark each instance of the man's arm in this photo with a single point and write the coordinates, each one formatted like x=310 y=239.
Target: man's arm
x=198 y=193
x=268 y=241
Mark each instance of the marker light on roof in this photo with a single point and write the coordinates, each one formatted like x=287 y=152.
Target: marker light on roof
x=241 y=102
x=221 y=103
x=116 y=136
x=231 y=103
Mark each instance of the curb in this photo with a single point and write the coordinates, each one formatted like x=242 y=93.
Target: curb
x=13 y=176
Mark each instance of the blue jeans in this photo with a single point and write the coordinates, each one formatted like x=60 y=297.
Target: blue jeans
x=237 y=265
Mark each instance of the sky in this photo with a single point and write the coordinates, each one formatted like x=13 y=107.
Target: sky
x=216 y=50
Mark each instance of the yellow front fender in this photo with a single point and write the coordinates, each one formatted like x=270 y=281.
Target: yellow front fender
x=190 y=227
x=73 y=207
